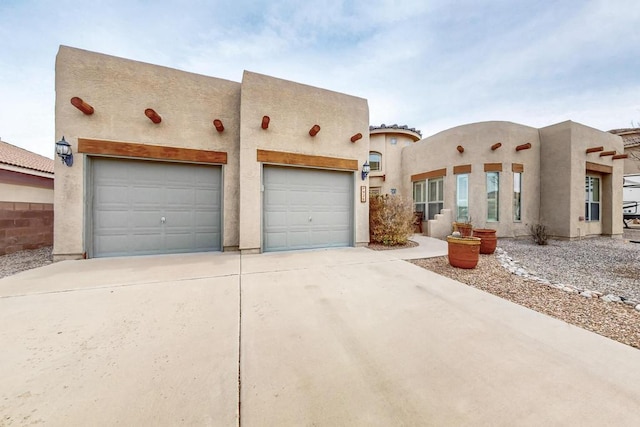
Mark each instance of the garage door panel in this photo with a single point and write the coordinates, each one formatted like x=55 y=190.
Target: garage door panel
x=293 y=196
x=131 y=197
x=180 y=197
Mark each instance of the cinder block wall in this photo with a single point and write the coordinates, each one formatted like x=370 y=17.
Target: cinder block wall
x=25 y=226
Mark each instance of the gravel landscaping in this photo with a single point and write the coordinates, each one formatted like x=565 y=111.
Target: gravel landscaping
x=24 y=260
x=609 y=267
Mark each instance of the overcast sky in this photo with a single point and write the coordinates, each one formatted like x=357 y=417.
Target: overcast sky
x=430 y=64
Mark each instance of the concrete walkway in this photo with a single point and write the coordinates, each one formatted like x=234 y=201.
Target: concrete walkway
x=330 y=337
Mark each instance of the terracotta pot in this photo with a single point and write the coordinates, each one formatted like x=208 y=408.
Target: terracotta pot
x=464 y=252
x=488 y=239
x=464 y=229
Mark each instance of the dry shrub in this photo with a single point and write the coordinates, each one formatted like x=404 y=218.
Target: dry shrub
x=390 y=219
x=539 y=233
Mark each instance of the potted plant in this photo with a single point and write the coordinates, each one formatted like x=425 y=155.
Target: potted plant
x=465 y=228
x=463 y=252
x=488 y=239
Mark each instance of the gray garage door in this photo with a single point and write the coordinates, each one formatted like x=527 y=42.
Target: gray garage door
x=307 y=208
x=144 y=207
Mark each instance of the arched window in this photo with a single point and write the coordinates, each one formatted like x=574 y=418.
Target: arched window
x=375 y=161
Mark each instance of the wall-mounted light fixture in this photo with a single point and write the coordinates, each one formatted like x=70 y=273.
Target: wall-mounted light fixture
x=153 y=116
x=314 y=130
x=218 y=124
x=365 y=170
x=265 y=122
x=63 y=149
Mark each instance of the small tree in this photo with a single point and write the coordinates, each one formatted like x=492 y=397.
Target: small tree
x=390 y=219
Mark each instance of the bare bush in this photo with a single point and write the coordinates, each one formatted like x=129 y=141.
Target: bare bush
x=390 y=219
x=539 y=233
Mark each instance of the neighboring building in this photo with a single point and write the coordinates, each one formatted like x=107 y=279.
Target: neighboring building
x=385 y=156
x=26 y=199
x=631 y=190
x=507 y=176
x=631 y=140
x=261 y=165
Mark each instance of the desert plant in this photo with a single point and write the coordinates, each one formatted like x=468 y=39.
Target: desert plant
x=539 y=233
x=390 y=219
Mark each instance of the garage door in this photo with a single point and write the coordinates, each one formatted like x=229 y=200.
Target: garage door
x=145 y=207
x=306 y=208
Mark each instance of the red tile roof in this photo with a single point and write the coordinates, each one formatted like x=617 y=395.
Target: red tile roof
x=16 y=156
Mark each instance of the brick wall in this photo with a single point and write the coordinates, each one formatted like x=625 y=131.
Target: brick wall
x=25 y=226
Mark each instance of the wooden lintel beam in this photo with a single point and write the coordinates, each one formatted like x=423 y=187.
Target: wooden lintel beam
x=620 y=156
x=607 y=153
x=296 y=159
x=523 y=146
x=428 y=175
x=146 y=151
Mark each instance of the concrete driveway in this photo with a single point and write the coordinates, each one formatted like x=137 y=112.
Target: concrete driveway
x=331 y=337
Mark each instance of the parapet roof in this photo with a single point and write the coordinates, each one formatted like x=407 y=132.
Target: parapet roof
x=397 y=129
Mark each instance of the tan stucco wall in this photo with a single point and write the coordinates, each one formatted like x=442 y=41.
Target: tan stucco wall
x=439 y=151
x=293 y=109
x=120 y=90
x=563 y=171
x=24 y=193
x=390 y=175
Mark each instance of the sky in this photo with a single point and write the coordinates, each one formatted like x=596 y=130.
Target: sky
x=429 y=64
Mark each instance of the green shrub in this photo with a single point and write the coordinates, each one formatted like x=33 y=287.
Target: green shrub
x=390 y=219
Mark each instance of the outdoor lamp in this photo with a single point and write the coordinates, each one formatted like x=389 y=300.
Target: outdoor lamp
x=365 y=170
x=63 y=149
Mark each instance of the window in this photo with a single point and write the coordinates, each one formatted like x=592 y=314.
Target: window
x=435 y=196
x=493 y=196
x=462 y=198
x=517 y=196
x=375 y=161
x=592 y=198
x=418 y=196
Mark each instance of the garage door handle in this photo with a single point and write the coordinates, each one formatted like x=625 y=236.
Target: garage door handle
x=163 y=220
x=310 y=219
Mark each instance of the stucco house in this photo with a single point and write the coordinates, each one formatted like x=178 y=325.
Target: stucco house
x=505 y=176
x=168 y=161
x=385 y=156
x=26 y=199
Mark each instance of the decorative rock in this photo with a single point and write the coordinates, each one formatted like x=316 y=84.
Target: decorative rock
x=611 y=298
x=512 y=266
